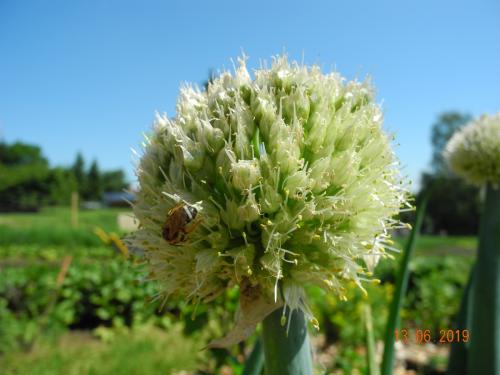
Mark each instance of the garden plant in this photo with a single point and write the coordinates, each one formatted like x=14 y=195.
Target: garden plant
x=269 y=184
x=474 y=154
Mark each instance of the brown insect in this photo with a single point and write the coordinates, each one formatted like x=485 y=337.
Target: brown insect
x=181 y=220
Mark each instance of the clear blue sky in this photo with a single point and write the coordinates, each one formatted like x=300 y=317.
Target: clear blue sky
x=88 y=75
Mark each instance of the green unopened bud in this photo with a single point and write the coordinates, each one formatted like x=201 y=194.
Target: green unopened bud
x=213 y=138
x=231 y=216
x=243 y=259
x=287 y=156
x=344 y=168
x=320 y=174
x=191 y=157
x=249 y=211
x=297 y=185
x=271 y=200
x=317 y=131
x=265 y=114
x=245 y=174
x=218 y=239
x=224 y=162
x=296 y=106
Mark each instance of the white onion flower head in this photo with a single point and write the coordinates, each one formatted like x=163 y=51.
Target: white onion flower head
x=473 y=152
x=293 y=179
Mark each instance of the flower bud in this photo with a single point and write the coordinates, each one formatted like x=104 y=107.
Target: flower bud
x=245 y=174
x=297 y=185
x=296 y=105
x=231 y=216
x=474 y=151
x=271 y=200
x=249 y=211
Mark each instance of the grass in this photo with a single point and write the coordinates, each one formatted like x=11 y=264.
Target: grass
x=61 y=217
x=52 y=226
x=145 y=350
x=48 y=234
x=428 y=245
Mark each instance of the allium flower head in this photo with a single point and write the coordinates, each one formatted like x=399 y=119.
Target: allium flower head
x=474 y=151
x=292 y=177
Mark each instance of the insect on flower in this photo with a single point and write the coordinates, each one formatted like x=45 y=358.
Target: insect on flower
x=176 y=226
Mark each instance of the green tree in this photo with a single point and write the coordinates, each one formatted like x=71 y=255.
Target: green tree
x=23 y=173
x=93 y=189
x=27 y=182
x=442 y=130
x=113 y=180
x=453 y=205
x=78 y=169
x=61 y=182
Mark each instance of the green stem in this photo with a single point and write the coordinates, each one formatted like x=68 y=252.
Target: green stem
x=485 y=332
x=255 y=362
x=399 y=293
x=286 y=354
x=371 y=359
x=457 y=364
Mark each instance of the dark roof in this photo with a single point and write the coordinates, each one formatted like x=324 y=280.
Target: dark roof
x=114 y=197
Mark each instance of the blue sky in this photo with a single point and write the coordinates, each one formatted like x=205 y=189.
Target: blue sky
x=89 y=75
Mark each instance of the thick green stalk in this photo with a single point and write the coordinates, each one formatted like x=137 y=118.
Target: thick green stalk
x=457 y=364
x=286 y=354
x=371 y=359
x=485 y=331
x=254 y=365
x=399 y=293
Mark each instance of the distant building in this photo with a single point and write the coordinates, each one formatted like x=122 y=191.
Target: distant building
x=92 y=205
x=118 y=199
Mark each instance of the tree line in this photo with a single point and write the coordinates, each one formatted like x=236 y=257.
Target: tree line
x=453 y=206
x=28 y=182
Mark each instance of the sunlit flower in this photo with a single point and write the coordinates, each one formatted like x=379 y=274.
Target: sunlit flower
x=474 y=151
x=292 y=177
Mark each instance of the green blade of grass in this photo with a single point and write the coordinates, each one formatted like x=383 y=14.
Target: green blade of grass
x=373 y=368
x=484 y=352
x=400 y=291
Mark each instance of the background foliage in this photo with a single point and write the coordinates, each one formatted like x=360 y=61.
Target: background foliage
x=453 y=204
x=27 y=182
x=106 y=295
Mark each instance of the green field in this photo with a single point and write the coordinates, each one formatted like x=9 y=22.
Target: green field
x=443 y=245
x=145 y=350
x=99 y=321
x=52 y=227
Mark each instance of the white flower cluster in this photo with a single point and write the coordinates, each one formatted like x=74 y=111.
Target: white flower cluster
x=473 y=152
x=290 y=175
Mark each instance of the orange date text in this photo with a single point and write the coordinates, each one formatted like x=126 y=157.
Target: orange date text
x=424 y=336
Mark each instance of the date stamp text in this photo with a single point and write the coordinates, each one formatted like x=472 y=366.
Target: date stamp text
x=423 y=336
